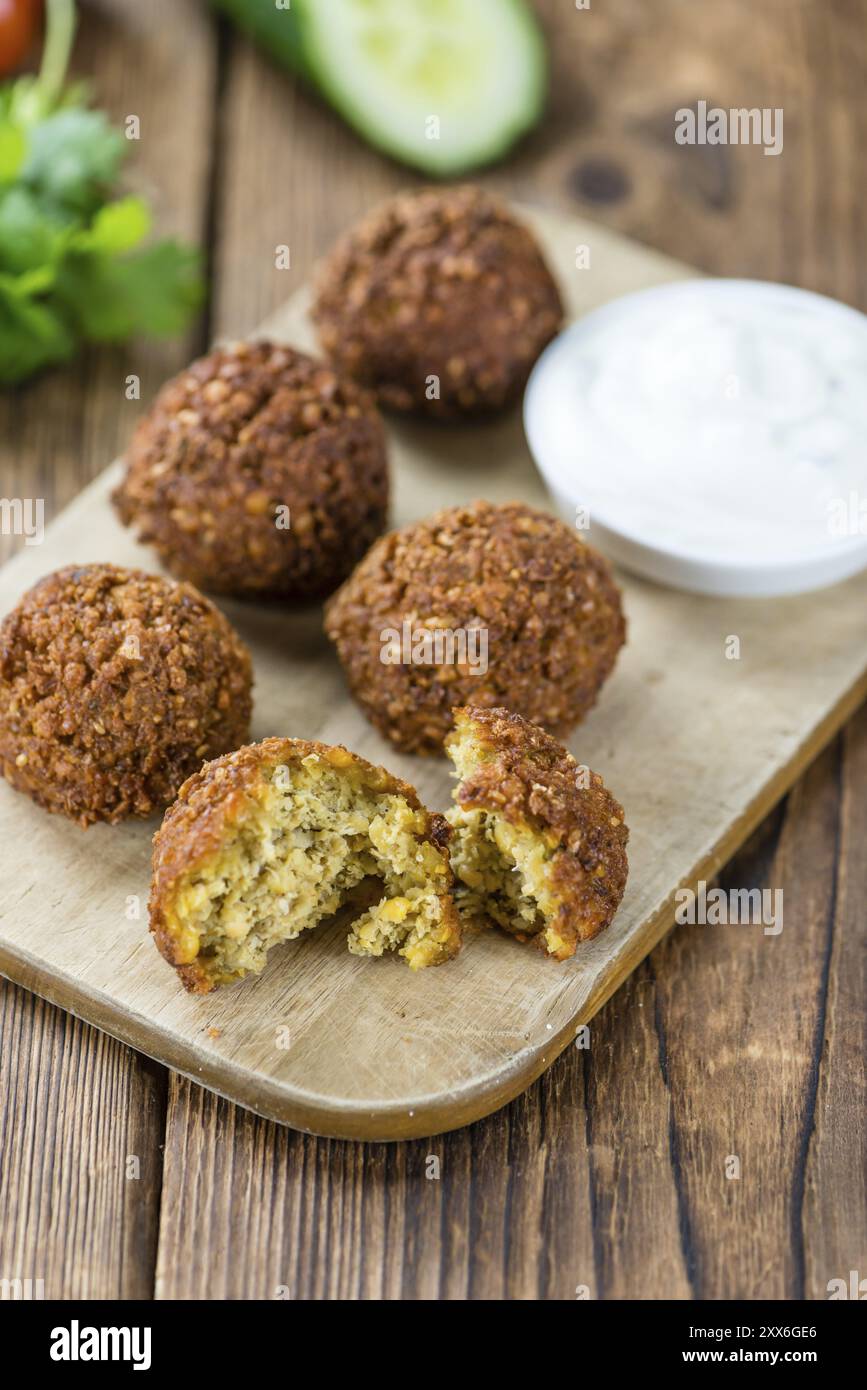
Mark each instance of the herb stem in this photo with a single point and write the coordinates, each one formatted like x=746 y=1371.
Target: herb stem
x=60 y=27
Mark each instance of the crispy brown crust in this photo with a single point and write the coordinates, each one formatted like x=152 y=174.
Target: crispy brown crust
x=114 y=686
x=215 y=799
x=443 y=283
x=530 y=780
x=548 y=601
x=242 y=432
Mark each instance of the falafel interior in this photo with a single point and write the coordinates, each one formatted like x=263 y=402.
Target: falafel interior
x=532 y=852
x=500 y=866
x=308 y=833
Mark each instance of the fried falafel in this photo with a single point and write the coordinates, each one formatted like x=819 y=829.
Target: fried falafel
x=258 y=472
x=440 y=301
x=528 y=615
x=265 y=842
x=538 y=844
x=115 y=686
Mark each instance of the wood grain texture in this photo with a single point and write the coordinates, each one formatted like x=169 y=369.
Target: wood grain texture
x=830 y=1224
x=756 y=1075
x=621 y=70
x=497 y=1210
x=605 y=150
x=74 y=1103
x=80 y=1159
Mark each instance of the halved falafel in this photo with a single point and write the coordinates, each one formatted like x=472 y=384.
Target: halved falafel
x=115 y=685
x=538 y=844
x=440 y=301
x=266 y=842
x=258 y=472
x=514 y=608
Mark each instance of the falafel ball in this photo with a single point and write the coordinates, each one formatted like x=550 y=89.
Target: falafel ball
x=258 y=472
x=115 y=685
x=485 y=605
x=538 y=844
x=266 y=842
x=440 y=301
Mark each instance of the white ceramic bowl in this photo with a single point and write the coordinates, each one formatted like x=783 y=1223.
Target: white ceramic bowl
x=797 y=566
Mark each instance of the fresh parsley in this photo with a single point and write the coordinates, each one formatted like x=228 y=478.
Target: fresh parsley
x=72 y=263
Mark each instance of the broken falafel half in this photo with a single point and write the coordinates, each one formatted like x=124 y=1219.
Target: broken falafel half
x=267 y=842
x=538 y=844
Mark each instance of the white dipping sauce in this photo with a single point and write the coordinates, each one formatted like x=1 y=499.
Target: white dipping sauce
x=723 y=422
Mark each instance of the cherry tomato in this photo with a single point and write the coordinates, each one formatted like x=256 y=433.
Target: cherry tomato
x=19 y=22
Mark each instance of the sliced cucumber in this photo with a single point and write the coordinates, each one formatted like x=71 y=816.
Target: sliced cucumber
x=442 y=85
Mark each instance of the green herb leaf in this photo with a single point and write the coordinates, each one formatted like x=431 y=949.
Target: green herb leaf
x=28 y=238
x=154 y=291
x=116 y=228
x=73 y=157
x=13 y=151
x=32 y=335
x=72 y=263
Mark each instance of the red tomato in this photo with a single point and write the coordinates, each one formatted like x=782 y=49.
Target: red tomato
x=19 y=21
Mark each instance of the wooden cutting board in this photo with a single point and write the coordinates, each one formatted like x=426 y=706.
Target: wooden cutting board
x=697 y=747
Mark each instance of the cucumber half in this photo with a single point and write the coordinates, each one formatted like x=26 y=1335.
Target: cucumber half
x=441 y=85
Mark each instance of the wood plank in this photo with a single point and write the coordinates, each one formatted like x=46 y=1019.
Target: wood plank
x=80 y=1161
x=503 y=1212
x=620 y=72
x=286 y=155
x=740 y=1025
x=830 y=1221
x=73 y=1103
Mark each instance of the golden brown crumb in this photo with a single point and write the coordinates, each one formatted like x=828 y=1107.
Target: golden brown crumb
x=115 y=685
x=538 y=844
x=545 y=604
x=258 y=472
x=440 y=301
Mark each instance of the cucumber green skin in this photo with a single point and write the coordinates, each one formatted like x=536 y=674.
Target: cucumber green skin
x=279 y=32
x=290 y=38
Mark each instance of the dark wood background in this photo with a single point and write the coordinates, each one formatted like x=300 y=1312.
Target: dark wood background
x=610 y=1172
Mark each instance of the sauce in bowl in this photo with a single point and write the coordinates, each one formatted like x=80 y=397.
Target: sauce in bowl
x=714 y=432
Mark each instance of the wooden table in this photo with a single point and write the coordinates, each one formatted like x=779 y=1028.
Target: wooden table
x=610 y=1173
